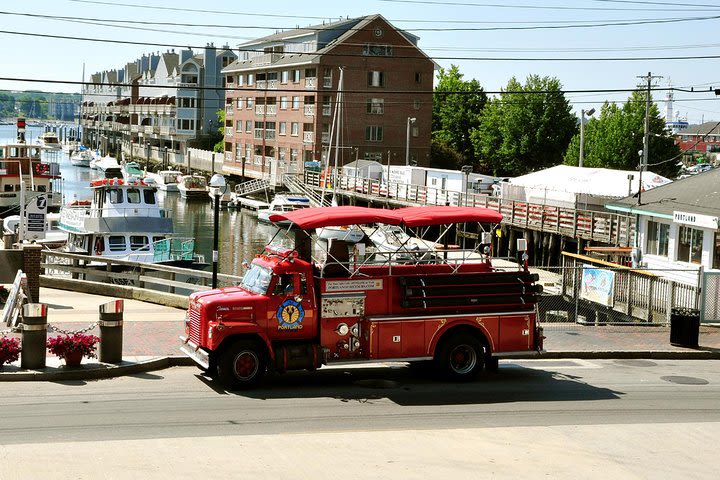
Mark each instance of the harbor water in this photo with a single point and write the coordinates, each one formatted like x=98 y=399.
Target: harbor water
x=240 y=235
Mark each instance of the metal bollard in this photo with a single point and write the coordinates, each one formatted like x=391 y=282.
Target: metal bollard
x=34 y=336
x=111 y=331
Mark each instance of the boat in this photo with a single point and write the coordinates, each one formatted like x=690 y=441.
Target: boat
x=131 y=169
x=124 y=221
x=109 y=166
x=225 y=196
x=282 y=203
x=24 y=175
x=81 y=157
x=192 y=186
x=49 y=141
x=348 y=234
x=166 y=180
x=52 y=237
x=392 y=241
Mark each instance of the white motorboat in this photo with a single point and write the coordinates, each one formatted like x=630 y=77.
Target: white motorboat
x=81 y=158
x=166 y=180
x=193 y=186
x=49 y=141
x=124 y=221
x=282 y=204
x=349 y=234
x=392 y=242
x=109 y=166
x=131 y=170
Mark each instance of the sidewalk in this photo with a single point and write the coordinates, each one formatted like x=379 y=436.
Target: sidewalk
x=150 y=339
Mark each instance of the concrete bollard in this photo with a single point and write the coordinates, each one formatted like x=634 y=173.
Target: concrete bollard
x=111 y=331
x=34 y=336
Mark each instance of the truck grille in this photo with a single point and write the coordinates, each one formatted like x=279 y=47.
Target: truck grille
x=194 y=324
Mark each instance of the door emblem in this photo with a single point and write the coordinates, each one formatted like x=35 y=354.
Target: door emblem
x=290 y=315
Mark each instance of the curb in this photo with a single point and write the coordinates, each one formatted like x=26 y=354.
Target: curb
x=98 y=371
x=94 y=371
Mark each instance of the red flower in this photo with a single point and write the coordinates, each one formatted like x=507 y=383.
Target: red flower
x=61 y=345
x=9 y=350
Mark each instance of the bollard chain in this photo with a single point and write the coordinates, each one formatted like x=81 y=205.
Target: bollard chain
x=53 y=328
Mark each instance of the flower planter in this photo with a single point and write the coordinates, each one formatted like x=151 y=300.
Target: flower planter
x=73 y=359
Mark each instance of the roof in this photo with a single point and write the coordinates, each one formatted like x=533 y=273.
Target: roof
x=310 y=218
x=695 y=194
x=296 y=32
x=707 y=128
x=601 y=182
x=362 y=163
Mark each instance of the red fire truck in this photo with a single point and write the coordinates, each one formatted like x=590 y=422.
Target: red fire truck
x=294 y=311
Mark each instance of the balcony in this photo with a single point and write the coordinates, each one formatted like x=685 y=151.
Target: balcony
x=309 y=110
x=167 y=130
x=265 y=109
x=308 y=137
x=229 y=111
x=310 y=83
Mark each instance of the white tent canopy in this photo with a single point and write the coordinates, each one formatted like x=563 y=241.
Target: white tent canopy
x=566 y=185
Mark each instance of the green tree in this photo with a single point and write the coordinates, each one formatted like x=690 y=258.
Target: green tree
x=614 y=138
x=457 y=108
x=220 y=144
x=528 y=127
x=444 y=156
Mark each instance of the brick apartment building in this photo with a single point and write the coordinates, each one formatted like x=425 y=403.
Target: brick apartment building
x=282 y=90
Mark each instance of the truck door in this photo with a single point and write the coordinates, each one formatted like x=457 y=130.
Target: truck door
x=290 y=309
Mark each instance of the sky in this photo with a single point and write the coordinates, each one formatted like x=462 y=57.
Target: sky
x=597 y=49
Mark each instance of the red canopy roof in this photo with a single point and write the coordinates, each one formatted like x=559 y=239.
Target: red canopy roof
x=309 y=218
x=442 y=215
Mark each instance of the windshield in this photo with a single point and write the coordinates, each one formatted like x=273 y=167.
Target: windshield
x=257 y=279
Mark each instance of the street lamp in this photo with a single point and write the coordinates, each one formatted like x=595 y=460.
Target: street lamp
x=410 y=121
x=217 y=182
x=582 y=133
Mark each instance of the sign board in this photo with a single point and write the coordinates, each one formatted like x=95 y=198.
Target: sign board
x=695 y=219
x=35 y=223
x=598 y=285
x=353 y=285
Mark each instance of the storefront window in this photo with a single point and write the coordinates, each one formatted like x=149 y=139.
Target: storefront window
x=690 y=245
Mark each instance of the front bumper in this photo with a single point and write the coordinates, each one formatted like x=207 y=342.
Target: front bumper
x=199 y=356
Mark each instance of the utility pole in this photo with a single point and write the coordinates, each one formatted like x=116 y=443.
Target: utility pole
x=646 y=137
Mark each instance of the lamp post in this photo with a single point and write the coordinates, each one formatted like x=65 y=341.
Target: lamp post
x=218 y=183
x=582 y=134
x=410 y=121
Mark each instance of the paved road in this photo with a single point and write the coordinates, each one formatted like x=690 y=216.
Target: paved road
x=552 y=418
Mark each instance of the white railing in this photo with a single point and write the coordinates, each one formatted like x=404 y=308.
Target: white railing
x=308 y=137
x=309 y=110
x=310 y=82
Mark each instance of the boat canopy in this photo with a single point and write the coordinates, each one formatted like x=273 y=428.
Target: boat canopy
x=309 y=218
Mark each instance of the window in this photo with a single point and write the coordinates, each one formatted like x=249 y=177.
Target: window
x=248 y=126
x=418 y=77
x=294 y=129
x=282 y=127
x=657 y=238
x=295 y=103
x=690 y=244
x=310 y=73
x=251 y=79
x=296 y=76
x=138 y=242
x=716 y=252
x=374 y=133
x=283 y=103
x=241 y=80
x=133 y=195
x=285 y=76
x=116 y=243
x=374 y=156
x=376 y=106
x=250 y=103
x=376 y=79
x=240 y=103
x=115 y=195
x=374 y=50
x=149 y=196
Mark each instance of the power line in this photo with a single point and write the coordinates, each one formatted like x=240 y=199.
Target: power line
x=330 y=54
x=539 y=7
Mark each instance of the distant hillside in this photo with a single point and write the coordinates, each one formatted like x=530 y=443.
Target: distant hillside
x=39 y=105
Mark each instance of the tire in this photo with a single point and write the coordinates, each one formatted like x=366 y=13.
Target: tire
x=460 y=358
x=242 y=365
x=492 y=364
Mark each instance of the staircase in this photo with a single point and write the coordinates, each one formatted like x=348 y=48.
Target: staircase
x=294 y=185
x=251 y=186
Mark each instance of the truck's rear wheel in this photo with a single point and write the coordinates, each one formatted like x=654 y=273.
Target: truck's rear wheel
x=242 y=365
x=460 y=357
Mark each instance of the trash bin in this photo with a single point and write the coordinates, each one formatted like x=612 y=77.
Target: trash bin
x=684 y=327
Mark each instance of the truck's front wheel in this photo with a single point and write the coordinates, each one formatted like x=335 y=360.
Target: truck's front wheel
x=242 y=365
x=460 y=357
